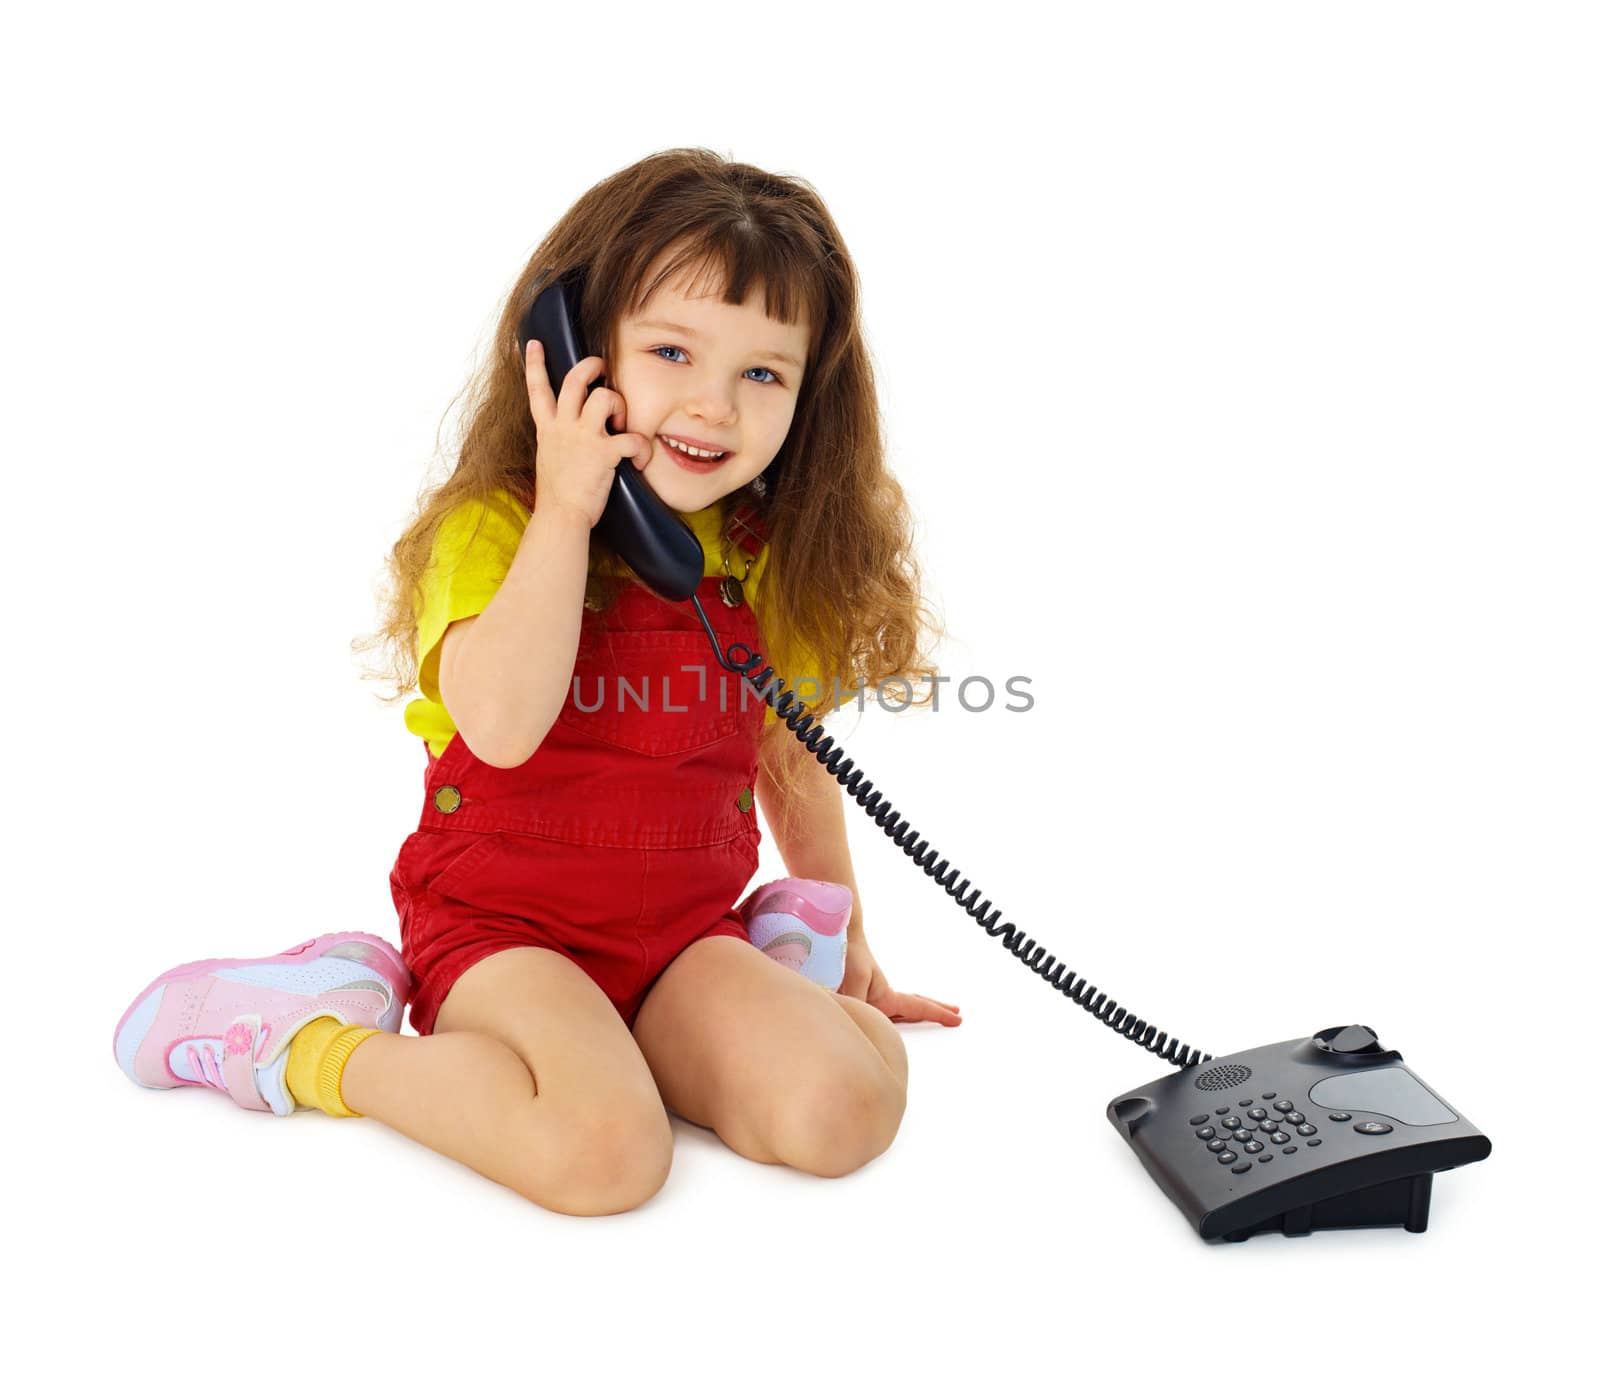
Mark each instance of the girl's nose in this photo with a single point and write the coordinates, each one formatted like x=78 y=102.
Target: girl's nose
x=713 y=408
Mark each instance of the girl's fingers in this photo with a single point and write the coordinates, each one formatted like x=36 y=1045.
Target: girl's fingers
x=908 y=1006
x=541 y=401
x=632 y=446
x=605 y=404
x=575 y=387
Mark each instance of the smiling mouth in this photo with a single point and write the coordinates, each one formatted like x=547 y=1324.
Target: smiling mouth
x=696 y=463
x=705 y=453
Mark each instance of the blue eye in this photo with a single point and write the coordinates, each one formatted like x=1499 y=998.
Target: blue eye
x=759 y=368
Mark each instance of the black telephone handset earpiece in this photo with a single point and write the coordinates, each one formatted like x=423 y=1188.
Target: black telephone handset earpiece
x=658 y=545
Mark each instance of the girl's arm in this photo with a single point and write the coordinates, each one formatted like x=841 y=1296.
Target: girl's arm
x=809 y=831
x=503 y=675
x=808 y=826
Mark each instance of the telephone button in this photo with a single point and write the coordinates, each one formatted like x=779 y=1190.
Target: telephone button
x=1253 y=1146
x=1246 y=1102
x=1283 y=1105
x=1268 y=1126
x=1243 y=1136
x=1258 y=1114
x=1338 y=1115
x=1371 y=1127
x=1313 y=1143
x=1201 y=1119
x=1222 y=1110
x=1291 y=1148
x=1227 y=1158
x=1280 y=1138
x=1216 y=1146
x=1206 y=1132
x=1294 y=1118
x=1305 y=1130
x=1242 y=1168
x=1268 y=1096
x=1264 y=1159
x=1232 y=1123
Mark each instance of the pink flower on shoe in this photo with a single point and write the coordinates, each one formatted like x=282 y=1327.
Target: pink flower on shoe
x=240 y=1039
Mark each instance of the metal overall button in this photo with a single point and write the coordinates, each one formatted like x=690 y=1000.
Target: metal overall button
x=447 y=799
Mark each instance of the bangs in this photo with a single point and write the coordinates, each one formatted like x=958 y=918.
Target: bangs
x=740 y=258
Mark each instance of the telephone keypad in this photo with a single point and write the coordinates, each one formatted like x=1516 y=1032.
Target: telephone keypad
x=1238 y=1135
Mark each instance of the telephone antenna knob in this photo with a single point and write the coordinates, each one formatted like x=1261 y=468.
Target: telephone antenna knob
x=1348 y=1039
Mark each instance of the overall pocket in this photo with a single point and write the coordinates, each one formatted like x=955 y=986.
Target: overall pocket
x=454 y=877
x=657 y=692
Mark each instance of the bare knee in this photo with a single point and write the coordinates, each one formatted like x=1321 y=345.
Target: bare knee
x=833 y=1125
x=600 y=1162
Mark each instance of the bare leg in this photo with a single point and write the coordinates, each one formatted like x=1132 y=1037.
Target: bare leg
x=532 y=1079
x=879 y=1028
x=782 y=1070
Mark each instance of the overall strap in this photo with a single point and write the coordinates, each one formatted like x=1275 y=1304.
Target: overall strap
x=748 y=530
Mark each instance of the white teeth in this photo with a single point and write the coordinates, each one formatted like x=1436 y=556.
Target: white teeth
x=690 y=450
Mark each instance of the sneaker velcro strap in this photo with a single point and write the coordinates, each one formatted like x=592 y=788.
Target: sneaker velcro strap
x=239 y=1063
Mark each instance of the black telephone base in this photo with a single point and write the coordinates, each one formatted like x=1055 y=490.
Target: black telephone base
x=1330 y=1133
x=1403 y=1202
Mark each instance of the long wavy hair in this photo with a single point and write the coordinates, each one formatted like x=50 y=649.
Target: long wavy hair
x=841 y=581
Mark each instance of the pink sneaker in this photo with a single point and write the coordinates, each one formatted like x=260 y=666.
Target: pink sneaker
x=227 y=1022
x=801 y=924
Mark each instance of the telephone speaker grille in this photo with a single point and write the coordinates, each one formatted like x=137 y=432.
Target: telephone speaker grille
x=1219 y=1077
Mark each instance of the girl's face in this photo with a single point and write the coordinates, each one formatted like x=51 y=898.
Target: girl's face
x=700 y=372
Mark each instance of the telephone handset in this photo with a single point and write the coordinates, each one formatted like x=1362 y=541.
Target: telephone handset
x=658 y=545
x=1331 y=1131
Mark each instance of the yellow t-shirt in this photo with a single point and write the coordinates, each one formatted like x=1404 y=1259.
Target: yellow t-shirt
x=468 y=565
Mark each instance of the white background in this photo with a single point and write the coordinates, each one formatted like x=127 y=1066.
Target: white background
x=1239 y=362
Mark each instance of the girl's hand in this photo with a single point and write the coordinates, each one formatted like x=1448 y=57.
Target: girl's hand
x=864 y=980
x=577 y=456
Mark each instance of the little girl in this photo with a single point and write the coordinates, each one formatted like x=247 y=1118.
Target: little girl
x=572 y=948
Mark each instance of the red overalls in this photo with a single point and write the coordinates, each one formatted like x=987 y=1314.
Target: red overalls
x=631 y=831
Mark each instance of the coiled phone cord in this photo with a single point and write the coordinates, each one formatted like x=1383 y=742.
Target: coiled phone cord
x=744 y=661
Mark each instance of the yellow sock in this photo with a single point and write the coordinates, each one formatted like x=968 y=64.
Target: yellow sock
x=317 y=1056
